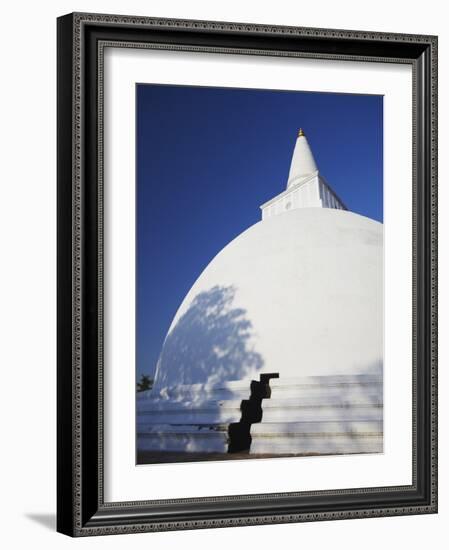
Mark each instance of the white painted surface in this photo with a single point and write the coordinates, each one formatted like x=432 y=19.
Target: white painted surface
x=321 y=415
x=311 y=192
x=28 y=479
x=303 y=162
x=188 y=440
x=316 y=445
x=310 y=415
x=299 y=294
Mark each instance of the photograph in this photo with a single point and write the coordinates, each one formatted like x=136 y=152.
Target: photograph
x=259 y=273
x=246 y=273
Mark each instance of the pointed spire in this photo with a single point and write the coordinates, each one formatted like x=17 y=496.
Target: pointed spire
x=303 y=164
x=306 y=187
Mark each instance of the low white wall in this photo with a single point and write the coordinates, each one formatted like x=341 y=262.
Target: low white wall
x=309 y=415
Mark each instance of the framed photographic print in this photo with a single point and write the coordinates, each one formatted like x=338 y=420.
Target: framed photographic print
x=247 y=250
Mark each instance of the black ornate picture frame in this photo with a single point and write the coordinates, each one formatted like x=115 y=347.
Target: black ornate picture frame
x=81 y=507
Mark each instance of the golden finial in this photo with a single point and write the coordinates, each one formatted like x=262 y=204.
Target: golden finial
x=301 y=132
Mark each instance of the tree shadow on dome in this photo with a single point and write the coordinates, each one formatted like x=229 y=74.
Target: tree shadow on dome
x=210 y=343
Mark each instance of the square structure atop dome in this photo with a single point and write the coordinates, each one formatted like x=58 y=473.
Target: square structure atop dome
x=306 y=188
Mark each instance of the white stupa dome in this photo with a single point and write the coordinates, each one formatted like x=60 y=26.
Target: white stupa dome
x=299 y=294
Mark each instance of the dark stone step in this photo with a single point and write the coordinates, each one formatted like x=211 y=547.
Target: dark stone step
x=240 y=432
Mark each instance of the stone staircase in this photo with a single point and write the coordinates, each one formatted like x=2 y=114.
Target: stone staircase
x=273 y=416
x=193 y=418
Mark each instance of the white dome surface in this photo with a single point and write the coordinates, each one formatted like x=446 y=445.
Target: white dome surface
x=299 y=294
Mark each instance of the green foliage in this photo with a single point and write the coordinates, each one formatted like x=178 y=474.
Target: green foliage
x=145 y=383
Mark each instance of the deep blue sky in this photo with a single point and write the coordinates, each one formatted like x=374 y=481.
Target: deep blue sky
x=208 y=157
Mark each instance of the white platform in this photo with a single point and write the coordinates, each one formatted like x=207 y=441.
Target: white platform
x=308 y=415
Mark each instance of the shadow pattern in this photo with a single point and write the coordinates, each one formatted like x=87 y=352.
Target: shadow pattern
x=210 y=343
x=240 y=432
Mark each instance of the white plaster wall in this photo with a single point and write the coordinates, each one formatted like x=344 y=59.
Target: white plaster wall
x=306 y=195
x=314 y=192
x=328 y=198
x=314 y=414
x=306 y=285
